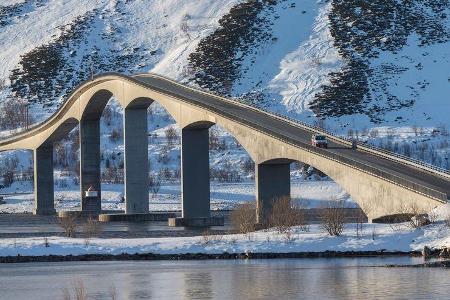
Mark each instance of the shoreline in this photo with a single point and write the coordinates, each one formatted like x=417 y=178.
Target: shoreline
x=202 y=256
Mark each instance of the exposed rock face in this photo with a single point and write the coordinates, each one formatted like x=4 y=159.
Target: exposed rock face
x=217 y=61
x=361 y=30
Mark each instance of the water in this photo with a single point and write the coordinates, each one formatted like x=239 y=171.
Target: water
x=343 y=278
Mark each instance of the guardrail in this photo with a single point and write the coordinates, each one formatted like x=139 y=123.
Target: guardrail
x=418 y=188
x=312 y=128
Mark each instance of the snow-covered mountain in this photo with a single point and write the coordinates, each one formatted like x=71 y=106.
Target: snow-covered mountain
x=378 y=69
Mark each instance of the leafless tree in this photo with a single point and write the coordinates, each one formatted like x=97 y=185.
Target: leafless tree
x=14 y=114
x=92 y=228
x=214 y=142
x=8 y=178
x=243 y=217
x=374 y=133
x=115 y=135
x=360 y=218
x=283 y=216
x=69 y=225
x=248 y=166
x=154 y=183
x=184 y=25
x=171 y=135
x=333 y=217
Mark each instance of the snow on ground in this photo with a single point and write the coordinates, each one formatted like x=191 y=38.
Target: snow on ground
x=291 y=69
x=308 y=194
x=374 y=237
x=40 y=27
x=415 y=73
x=304 y=70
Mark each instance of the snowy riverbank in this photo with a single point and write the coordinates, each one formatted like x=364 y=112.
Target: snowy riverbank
x=374 y=237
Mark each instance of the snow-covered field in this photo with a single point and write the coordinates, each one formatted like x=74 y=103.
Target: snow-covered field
x=308 y=194
x=374 y=237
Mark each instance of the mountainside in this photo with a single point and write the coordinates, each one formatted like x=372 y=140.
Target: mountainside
x=376 y=70
x=385 y=62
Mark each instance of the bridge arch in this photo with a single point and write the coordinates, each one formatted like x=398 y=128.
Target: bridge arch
x=366 y=176
x=96 y=104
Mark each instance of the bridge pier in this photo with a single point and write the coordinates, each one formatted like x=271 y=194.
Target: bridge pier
x=43 y=181
x=90 y=164
x=272 y=182
x=195 y=190
x=136 y=160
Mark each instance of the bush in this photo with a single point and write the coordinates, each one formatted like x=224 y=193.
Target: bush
x=333 y=217
x=92 y=228
x=115 y=135
x=243 y=218
x=154 y=183
x=79 y=291
x=13 y=114
x=209 y=238
x=69 y=225
x=171 y=135
x=284 y=216
x=8 y=178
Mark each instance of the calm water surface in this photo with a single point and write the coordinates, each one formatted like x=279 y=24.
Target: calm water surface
x=341 y=278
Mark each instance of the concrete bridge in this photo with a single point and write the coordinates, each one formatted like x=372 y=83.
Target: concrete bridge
x=381 y=183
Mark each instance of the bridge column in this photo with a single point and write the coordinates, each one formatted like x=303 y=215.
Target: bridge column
x=272 y=182
x=43 y=181
x=90 y=164
x=136 y=160
x=195 y=192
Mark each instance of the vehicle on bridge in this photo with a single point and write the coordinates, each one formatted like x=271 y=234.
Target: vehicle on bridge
x=319 y=140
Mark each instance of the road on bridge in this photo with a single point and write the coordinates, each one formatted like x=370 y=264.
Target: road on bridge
x=299 y=136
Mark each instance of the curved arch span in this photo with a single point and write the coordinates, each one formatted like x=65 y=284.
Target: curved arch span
x=372 y=179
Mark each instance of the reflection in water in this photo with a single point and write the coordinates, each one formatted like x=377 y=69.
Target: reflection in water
x=222 y=279
x=198 y=286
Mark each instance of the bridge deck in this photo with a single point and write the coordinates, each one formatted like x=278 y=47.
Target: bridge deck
x=395 y=171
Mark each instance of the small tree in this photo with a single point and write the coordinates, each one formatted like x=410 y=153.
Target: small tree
x=14 y=113
x=248 y=166
x=171 y=135
x=184 y=25
x=91 y=228
x=243 y=217
x=115 y=135
x=154 y=183
x=8 y=178
x=333 y=218
x=283 y=216
x=69 y=225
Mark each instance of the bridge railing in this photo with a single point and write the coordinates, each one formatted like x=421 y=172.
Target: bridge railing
x=373 y=149
x=312 y=128
x=342 y=140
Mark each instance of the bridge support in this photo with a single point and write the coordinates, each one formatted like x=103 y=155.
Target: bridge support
x=43 y=181
x=136 y=160
x=90 y=165
x=195 y=180
x=272 y=182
